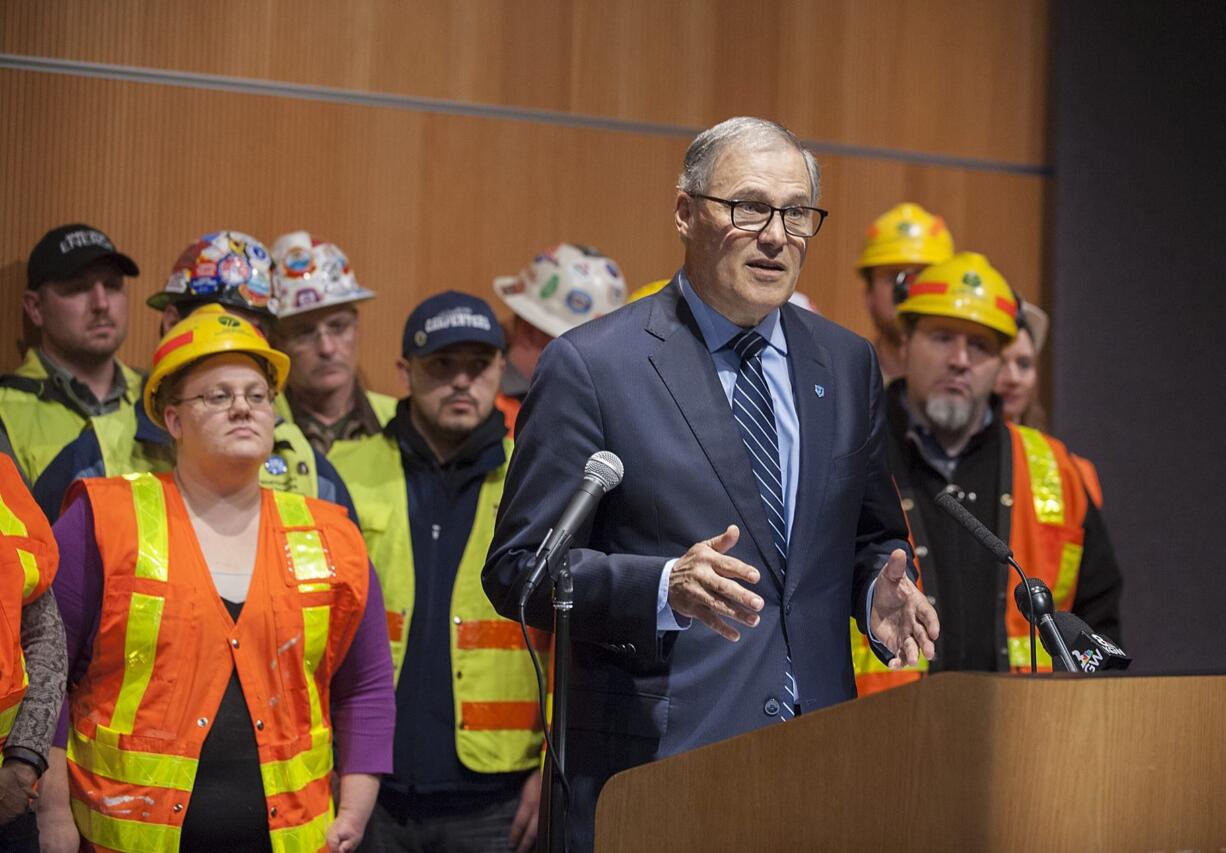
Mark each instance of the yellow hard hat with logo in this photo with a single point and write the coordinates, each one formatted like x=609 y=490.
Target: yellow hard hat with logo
x=906 y=234
x=965 y=287
x=208 y=330
x=647 y=290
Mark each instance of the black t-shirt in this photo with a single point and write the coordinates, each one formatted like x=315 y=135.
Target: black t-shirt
x=227 y=809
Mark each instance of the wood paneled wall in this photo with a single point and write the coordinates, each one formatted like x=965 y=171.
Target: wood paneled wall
x=423 y=200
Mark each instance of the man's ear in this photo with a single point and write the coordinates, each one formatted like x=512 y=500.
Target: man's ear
x=406 y=376
x=683 y=214
x=32 y=302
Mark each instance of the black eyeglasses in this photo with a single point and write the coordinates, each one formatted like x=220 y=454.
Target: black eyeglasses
x=799 y=221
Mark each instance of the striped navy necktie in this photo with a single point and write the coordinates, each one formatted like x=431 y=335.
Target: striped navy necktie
x=753 y=408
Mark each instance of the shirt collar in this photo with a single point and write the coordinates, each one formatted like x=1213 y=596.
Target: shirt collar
x=78 y=392
x=717 y=330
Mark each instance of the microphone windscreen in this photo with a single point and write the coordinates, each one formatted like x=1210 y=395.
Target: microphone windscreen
x=1036 y=592
x=606 y=468
x=974 y=526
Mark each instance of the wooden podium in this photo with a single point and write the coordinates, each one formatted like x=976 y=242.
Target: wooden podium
x=955 y=762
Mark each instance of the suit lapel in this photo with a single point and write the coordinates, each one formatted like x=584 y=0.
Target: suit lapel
x=812 y=387
x=685 y=367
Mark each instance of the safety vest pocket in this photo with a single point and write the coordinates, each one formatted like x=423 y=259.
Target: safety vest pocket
x=135 y=649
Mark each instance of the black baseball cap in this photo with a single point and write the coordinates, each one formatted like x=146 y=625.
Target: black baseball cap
x=450 y=318
x=65 y=251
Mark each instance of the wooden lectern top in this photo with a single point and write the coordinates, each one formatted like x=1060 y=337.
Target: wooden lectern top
x=959 y=761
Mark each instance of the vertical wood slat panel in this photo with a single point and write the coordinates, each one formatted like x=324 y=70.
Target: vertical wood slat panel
x=420 y=202
x=950 y=77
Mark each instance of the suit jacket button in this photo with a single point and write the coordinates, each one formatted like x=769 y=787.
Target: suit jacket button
x=771 y=708
x=787 y=609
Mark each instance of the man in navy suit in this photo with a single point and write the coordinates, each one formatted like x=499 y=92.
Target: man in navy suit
x=713 y=587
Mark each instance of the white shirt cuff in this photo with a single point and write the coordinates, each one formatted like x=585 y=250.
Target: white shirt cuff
x=666 y=618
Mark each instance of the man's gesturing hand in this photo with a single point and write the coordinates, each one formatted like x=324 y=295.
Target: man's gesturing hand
x=902 y=620
x=703 y=584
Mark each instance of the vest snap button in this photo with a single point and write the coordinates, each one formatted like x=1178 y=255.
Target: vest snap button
x=234 y=642
x=178 y=807
x=456 y=619
x=921 y=550
x=1006 y=499
x=202 y=722
x=259 y=725
x=907 y=504
x=273 y=811
x=459 y=674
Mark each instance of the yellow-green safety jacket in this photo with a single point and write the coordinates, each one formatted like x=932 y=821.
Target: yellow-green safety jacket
x=40 y=426
x=498 y=726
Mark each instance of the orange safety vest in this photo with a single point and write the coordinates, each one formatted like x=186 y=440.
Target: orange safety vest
x=509 y=406
x=28 y=560
x=1048 y=504
x=166 y=648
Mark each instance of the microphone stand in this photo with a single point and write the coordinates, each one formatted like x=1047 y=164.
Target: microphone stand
x=563 y=603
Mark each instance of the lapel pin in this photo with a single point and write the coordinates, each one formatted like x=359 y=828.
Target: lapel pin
x=819 y=390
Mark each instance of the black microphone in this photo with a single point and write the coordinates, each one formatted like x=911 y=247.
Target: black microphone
x=1092 y=651
x=602 y=473
x=1034 y=600
x=946 y=501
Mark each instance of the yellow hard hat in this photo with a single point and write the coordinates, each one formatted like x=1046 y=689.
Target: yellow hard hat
x=965 y=287
x=906 y=234
x=648 y=290
x=208 y=330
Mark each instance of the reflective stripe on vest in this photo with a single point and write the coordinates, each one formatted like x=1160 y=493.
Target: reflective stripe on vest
x=1048 y=542
x=493 y=685
x=39 y=429
x=28 y=562
x=116 y=761
x=494 y=689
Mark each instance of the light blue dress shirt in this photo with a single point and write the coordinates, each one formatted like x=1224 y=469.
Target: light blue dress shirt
x=717 y=331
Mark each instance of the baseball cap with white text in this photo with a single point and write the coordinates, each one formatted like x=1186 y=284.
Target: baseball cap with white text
x=65 y=251
x=450 y=318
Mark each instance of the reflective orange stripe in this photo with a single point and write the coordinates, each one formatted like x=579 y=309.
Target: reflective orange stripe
x=146 y=804
x=395 y=624
x=479 y=716
x=295 y=808
x=496 y=634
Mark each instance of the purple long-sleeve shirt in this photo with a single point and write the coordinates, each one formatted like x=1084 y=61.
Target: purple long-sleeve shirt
x=363 y=695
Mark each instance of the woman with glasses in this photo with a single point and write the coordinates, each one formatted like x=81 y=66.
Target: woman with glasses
x=223 y=639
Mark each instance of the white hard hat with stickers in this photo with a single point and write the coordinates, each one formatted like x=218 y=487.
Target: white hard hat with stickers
x=563 y=287
x=310 y=273
x=222 y=267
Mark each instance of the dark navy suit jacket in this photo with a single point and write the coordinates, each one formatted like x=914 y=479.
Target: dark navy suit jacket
x=641 y=383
